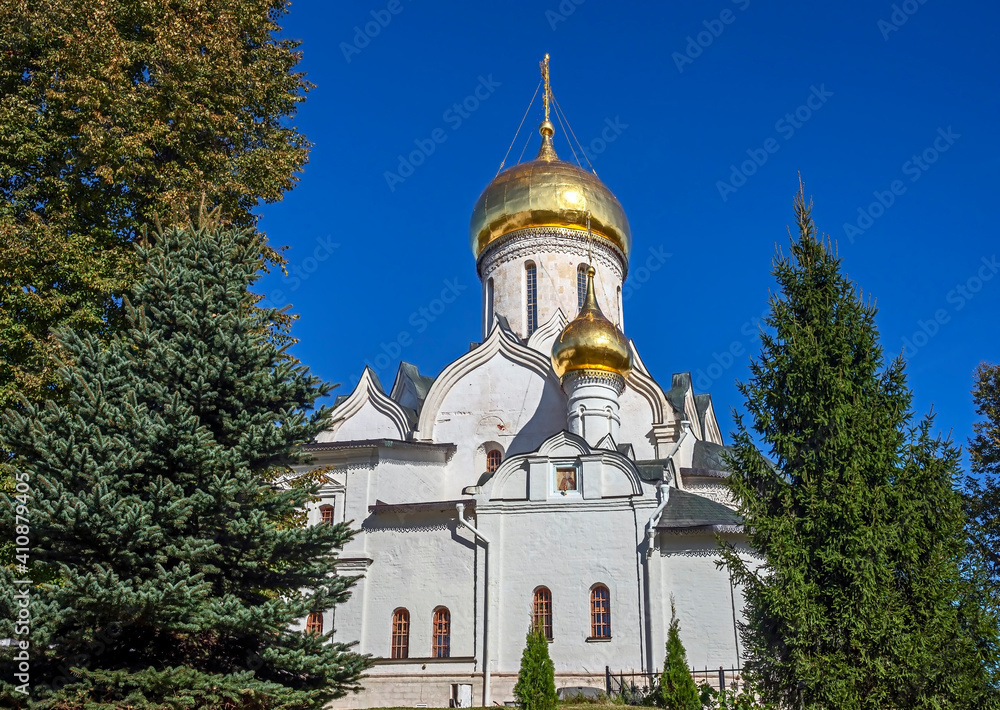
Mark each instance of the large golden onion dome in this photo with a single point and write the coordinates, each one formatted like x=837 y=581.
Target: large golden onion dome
x=590 y=341
x=547 y=192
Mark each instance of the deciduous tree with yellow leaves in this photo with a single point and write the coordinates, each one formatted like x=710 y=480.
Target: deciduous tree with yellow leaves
x=114 y=114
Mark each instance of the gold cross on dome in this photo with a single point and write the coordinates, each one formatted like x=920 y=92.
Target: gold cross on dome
x=544 y=65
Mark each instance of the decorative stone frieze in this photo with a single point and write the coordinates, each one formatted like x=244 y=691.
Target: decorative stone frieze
x=594 y=377
x=524 y=243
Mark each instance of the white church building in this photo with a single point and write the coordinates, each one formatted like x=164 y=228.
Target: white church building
x=543 y=477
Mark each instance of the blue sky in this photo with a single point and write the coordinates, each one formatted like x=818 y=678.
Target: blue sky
x=698 y=116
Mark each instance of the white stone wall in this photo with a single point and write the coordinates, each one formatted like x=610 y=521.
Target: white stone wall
x=368 y=423
x=391 y=686
x=419 y=563
x=501 y=401
x=557 y=254
x=592 y=406
x=503 y=683
x=703 y=599
x=413 y=685
x=368 y=413
x=402 y=481
x=637 y=424
x=685 y=454
x=568 y=551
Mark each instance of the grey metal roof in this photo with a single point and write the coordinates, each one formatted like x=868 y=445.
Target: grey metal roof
x=707 y=461
x=651 y=471
x=702 y=473
x=680 y=384
x=376 y=380
x=410 y=389
x=702 y=402
x=438 y=506
x=687 y=510
x=421 y=383
x=374 y=443
x=484 y=478
x=504 y=323
x=708 y=456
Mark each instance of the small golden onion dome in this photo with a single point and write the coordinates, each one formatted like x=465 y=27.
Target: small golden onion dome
x=547 y=192
x=590 y=341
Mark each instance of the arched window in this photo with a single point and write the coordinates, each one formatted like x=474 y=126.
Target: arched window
x=530 y=298
x=326 y=514
x=581 y=285
x=314 y=623
x=489 y=307
x=493 y=459
x=541 y=617
x=621 y=315
x=600 y=612
x=441 y=631
x=399 y=647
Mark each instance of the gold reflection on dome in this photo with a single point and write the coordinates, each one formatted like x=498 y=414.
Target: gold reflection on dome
x=590 y=341
x=547 y=192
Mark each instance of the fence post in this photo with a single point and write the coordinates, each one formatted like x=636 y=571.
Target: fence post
x=607 y=680
x=722 y=680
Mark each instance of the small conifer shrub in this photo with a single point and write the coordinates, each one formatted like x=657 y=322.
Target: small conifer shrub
x=536 y=683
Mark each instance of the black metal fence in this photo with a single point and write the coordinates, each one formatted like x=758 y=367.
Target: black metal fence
x=721 y=679
x=635 y=687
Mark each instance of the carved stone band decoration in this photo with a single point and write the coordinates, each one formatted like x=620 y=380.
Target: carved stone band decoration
x=742 y=549
x=401 y=525
x=594 y=377
x=704 y=530
x=713 y=491
x=525 y=243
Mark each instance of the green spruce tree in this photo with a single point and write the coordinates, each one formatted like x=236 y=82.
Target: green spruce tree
x=677 y=688
x=982 y=500
x=858 y=516
x=984 y=484
x=939 y=605
x=158 y=498
x=536 y=685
